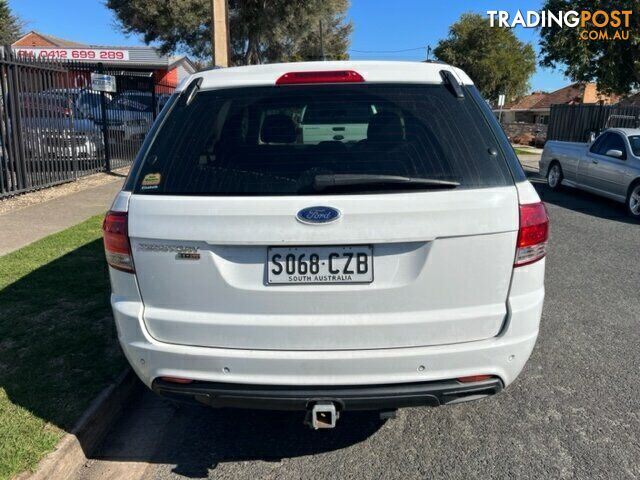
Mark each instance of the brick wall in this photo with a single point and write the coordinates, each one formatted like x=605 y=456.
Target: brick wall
x=537 y=131
x=166 y=77
x=33 y=40
x=590 y=93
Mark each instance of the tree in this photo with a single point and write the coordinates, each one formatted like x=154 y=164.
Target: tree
x=613 y=64
x=10 y=25
x=493 y=57
x=260 y=30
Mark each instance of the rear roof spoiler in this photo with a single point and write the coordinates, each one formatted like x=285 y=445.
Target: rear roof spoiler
x=450 y=79
x=191 y=90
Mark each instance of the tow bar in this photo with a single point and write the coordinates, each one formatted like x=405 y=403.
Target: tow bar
x=323 y=415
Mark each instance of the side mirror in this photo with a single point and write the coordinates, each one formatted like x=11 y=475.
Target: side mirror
x=592 y=137
x=614 y=153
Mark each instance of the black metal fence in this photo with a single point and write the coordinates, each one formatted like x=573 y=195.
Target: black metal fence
x=576 y=123
x=55 y=128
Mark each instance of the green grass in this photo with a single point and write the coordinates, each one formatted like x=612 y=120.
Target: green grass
x=522 y=151
x=58 y=346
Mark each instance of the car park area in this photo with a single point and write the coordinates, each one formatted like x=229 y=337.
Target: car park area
x=572 y=413
x=52 y=119
x=319 y=240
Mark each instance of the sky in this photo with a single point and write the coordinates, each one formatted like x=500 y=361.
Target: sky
x=381 y=27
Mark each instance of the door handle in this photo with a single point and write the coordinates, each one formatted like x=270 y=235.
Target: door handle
x=594 y=161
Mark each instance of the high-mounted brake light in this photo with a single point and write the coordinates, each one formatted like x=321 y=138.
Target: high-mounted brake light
x=336 y=76
x=116 y=241
x=533 y=234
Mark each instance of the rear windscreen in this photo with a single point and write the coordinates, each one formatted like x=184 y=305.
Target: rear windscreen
x=278 y=140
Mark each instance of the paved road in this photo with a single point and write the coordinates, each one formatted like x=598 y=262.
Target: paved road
x=573 y=413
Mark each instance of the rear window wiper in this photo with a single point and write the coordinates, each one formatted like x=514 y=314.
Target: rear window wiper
x=337 y=181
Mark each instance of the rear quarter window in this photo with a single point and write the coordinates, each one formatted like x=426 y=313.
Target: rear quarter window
x=252 y=141
x=634 y=141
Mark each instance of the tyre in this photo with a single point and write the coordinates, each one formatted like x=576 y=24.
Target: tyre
x=555 y=176
x=633 y=201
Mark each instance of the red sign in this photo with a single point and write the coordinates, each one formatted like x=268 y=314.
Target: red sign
x=88 y=54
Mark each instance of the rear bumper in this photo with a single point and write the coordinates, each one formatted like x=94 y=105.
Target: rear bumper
x=502 y=356
x=364 y=397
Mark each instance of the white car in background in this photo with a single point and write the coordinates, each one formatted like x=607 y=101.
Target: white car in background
x=253 y=267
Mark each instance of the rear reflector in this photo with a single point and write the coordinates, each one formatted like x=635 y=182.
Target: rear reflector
x=473 y=378
x=176 y=380
x=533 y=234
x=116 y=241
x=337 y=76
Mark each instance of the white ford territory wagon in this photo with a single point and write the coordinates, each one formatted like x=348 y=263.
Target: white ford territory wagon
x=399 y=265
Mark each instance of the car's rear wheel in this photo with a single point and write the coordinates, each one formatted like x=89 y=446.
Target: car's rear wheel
x=633 y=201
x=555 y=176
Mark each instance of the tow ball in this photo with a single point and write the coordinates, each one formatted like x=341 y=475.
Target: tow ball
x=322 y=415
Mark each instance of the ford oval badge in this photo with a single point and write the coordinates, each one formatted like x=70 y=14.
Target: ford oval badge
x=318 y=215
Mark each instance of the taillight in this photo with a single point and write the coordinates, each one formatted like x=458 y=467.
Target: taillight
x=533 y=234
x=336 y=76
x=116 y=241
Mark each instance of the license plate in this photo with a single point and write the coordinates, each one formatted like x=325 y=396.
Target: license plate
x=314 y=265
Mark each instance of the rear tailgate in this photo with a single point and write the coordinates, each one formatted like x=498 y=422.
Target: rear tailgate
x=227 y=175
x=442 y=266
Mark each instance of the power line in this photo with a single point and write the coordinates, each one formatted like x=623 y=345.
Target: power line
x=360 y=56
x=389 y=51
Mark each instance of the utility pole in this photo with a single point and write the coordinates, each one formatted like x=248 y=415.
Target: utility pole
x=220 y=32
x=322 y=43
x=428 y=52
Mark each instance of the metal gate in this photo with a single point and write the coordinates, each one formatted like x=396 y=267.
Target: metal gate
x=130 y=114
x=36 y=132
x=55 y=128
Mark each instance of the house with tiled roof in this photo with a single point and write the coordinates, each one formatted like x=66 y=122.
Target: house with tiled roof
x=632 y=100
x=525 y=120
x=535 y=107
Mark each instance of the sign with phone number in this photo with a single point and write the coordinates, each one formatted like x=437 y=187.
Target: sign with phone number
x=92 y=54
